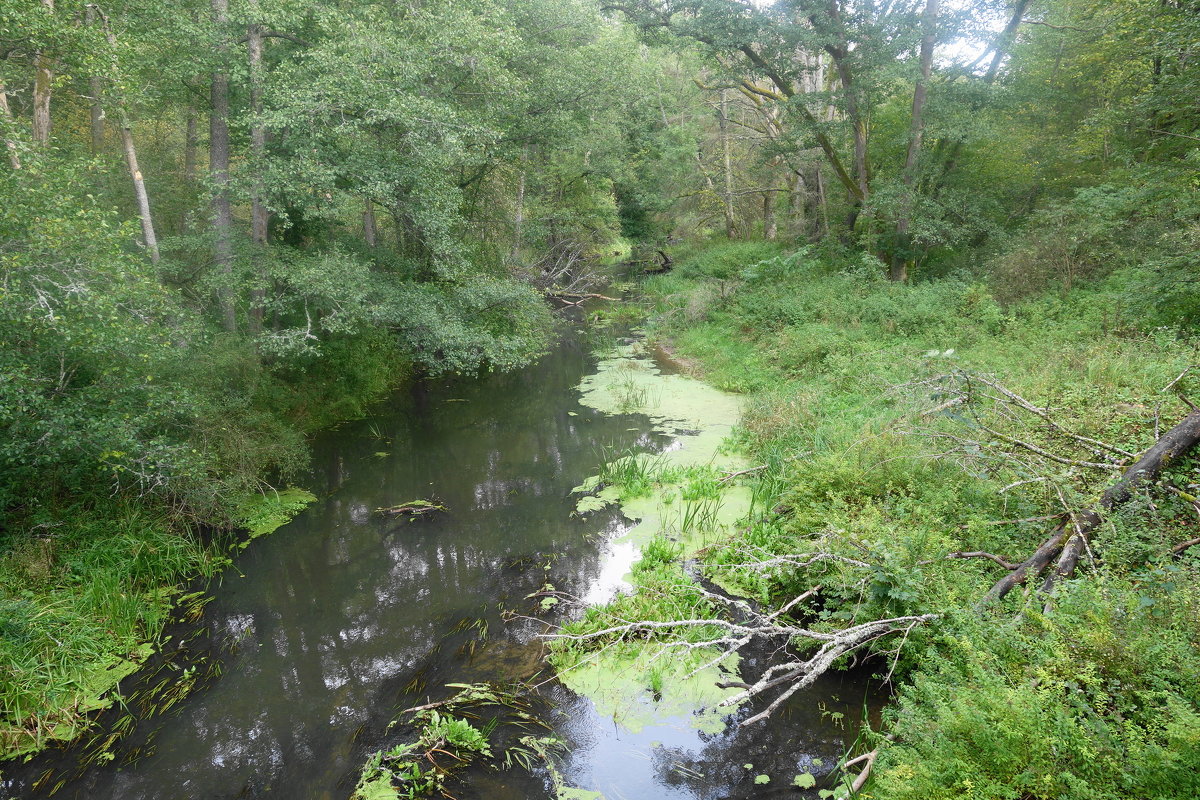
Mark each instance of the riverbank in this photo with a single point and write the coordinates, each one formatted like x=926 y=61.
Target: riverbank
x=884 y=452
x=88 y=587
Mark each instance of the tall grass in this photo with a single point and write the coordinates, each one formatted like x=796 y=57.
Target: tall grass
x=632 y=471
x=77 y=602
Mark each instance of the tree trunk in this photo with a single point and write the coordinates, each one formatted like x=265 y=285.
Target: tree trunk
x=900 y=254
x=370 y=229
x=519 y=216
x=139 y=189
x=131 y=160
x=770 y=230
x=97 y=113
x=43 y=79
x=259 y=214
x=824 y=203
x=6 y=119
x=218 y=167
x=862 y=175
x=96 y=86
x=191 y=142
x=797 y=205
x=727 y=198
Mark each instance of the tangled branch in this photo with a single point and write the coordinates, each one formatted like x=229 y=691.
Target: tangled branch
x=744 y=624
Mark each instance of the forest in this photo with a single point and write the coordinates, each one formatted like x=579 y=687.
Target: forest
x=945 y=255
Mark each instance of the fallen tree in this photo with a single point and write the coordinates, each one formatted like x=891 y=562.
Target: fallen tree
x=1072 y=539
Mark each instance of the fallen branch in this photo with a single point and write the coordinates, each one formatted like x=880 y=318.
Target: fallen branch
x=730 y=476
x=1182 y=546
x=974 y=554
x=413 y=508
x=1042 y=518
x=1071 y=540
x=861 y=779
x=1043 y=414
x=576 y=298
x=728 y=636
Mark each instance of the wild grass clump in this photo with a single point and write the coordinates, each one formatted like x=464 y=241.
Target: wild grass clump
x=724 y=259
x=634 y=473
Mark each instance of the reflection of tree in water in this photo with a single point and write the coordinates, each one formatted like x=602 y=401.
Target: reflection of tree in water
x=341 y=610
x=802 y=736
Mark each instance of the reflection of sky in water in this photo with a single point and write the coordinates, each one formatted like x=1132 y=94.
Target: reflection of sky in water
x=617 y=560
x=325 y=621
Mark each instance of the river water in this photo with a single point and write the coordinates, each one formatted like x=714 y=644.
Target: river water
x=324 y=630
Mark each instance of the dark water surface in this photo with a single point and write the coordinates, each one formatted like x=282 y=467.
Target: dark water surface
x=325 y=629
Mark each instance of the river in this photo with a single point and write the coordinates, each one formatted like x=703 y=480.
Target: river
x=324 y=630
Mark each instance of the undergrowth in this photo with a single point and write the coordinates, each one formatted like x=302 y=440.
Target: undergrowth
x=869 y=454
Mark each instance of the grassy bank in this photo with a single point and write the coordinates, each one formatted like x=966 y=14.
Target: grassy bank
x=880 y=414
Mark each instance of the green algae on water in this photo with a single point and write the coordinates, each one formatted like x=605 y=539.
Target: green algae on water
x=686 y=500
x=680 y=496
x=618 y=682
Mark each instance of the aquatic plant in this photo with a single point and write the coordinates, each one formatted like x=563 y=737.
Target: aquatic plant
x=633 y=472
x=446 y=740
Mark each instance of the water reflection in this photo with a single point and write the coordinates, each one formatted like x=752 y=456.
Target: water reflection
x=328 y=627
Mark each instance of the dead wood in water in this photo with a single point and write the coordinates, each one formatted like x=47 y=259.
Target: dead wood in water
x=413 y=508
x=577 y=298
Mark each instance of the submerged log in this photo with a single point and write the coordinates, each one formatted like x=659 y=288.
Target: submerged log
x=664 y=264
x=1069 y=542
x=413 y=508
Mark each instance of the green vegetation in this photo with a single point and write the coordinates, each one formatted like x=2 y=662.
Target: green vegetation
x=226 y=225
x=886 y=451
x=956 y=288
x=446 y=742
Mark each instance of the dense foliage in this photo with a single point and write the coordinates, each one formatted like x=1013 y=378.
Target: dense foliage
x=226 y=223
x=1092 y=696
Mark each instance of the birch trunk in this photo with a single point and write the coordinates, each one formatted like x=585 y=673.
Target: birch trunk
x=139 y=189
x=6 y=119
x=127 y=146
x=726 y=156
